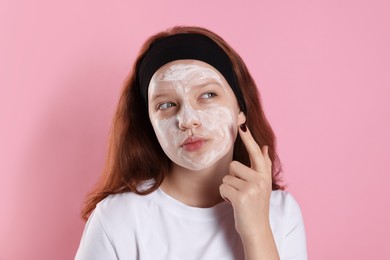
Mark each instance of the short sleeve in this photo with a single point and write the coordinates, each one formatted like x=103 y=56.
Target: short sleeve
x=294 y=238
x=95 y=243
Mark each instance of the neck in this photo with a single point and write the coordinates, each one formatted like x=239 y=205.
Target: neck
x=197 y=188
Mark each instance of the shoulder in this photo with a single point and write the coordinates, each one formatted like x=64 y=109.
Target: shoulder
x=111 y=228
x=288 y=225
x=285 y=211
x=114 y=208
x=117 y=210
x=118 y=204
x=283 y=201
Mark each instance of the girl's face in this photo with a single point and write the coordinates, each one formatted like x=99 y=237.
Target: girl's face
x=194 y=113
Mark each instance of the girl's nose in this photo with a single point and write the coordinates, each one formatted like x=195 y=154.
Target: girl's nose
x=188 y=118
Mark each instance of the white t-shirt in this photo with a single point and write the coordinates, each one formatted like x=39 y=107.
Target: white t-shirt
x=156 y=226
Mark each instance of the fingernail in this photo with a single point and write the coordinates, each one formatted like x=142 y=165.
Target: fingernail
x=243 y=127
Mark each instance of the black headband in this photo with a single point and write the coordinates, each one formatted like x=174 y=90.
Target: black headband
x=187 y=46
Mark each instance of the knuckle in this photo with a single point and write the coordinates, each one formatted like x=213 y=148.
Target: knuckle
x=249 y=194
x=226 y=179
x=222 y=187
x=253 y=191
x=261 y=183
x=234 y=167
x=233 y=164
x=241 y=198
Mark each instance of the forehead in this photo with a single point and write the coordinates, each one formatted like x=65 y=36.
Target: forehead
x=186 y=70
x=184 y=76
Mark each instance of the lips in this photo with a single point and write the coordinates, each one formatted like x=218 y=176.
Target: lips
x=193 y=143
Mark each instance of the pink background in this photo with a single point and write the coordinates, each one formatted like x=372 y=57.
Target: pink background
x=322 y=67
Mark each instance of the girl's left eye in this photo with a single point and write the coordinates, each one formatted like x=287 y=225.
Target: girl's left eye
x=208 y=95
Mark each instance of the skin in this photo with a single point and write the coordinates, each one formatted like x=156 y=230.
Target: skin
x=190 y=98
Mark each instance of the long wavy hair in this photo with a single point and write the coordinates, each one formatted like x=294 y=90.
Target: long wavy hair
x=134 y=153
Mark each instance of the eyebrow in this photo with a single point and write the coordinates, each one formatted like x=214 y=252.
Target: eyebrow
x=214 y=82
x=158 y=96
x=164 y=91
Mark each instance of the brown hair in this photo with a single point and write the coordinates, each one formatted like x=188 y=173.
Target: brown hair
x=134 y=154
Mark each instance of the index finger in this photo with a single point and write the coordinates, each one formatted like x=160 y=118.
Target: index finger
x=255 y=153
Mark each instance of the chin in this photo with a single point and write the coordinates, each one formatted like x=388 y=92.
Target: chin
x=201 y=165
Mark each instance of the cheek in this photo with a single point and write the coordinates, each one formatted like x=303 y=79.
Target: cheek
x=219 y=122
x=166 y=131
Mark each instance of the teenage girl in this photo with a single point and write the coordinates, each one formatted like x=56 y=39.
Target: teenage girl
x=192 y=170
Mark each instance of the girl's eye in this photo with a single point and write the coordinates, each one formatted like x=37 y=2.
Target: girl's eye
x=165 y=105
x=208 y=95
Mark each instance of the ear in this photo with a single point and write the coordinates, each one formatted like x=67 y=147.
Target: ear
x=241 y=118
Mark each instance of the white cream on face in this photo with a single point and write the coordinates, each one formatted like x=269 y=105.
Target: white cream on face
x=214 y=121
